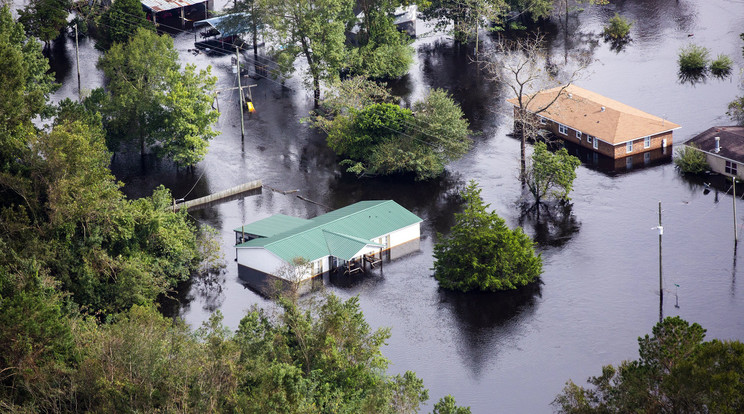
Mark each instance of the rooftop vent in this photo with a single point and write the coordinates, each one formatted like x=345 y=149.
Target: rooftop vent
x=718 y=144
x=603 y=109
x=570 y=95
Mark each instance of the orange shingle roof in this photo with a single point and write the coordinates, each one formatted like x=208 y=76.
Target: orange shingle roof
x=581 y=110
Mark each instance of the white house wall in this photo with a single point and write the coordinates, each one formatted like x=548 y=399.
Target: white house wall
x=260 y=259
x=405 y=234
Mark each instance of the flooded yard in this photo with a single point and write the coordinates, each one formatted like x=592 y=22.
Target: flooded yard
x=506 y=353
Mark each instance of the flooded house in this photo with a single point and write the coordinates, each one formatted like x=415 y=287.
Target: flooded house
x=598 y=123
x=723 y=147
x=286 y=249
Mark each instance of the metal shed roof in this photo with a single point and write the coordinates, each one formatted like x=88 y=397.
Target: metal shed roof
x=326 y=234
x=229 y=24
x=165 y=5
x=276 y=224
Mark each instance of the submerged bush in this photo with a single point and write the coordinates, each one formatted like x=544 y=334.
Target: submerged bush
x=618 y=28
x=690 y=160
x=721 y=67
x=693 y=59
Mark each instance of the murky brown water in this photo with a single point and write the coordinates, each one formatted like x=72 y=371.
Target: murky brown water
x=507 y=353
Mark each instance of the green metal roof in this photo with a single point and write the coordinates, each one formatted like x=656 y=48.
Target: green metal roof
x=338 y=232
x=273 y=225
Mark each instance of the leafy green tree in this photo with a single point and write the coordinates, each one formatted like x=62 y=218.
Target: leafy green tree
x=465 y=17
x=447 y=405
x=45 y=19
x=322 y=358
x=383 y=51
x=383 y=138
x=533 y=10
x=120 y=22
x=736 y=110
x=482 y=253
x=550 y=175
x=314 y=30
x=27 y=86
x=690 y=160
x=258 y=16
x=676 y=372
x=152 y=101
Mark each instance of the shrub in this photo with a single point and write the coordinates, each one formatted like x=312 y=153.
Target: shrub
x=690 y=160
x=721 y=67
x=693 y=59
x=618 y=28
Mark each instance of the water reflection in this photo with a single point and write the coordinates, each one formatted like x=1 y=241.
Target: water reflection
x=60 y=62
x=553 y=226
x=485 y=319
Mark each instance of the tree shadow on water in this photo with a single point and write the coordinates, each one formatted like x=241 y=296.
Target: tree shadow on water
x=551 y=225
x=488 y=320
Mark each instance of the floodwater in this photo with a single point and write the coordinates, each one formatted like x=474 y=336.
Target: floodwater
x=505 y=353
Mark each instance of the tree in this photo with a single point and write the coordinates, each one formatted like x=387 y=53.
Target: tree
x=152 y=101
x=482 y=253
x=550 y=175
x=314 y=30
x=690 y=159
x=26 y=88
x=45 y=19
x=447 y=405
x=736 y=110
x=466 y=17
x=320 y=358
x=523 y=67
x=120 y=22
x=382 y=51
x=383 y=138
x=533 y=9
x=676 y=372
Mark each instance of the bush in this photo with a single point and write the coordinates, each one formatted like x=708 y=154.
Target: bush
x=693 y=59
x=619 y=28
x=721 y=67
x=483 y=253
x=690 y=160
x=736 y=110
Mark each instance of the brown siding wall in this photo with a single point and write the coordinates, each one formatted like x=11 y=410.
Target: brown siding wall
x=604 y=148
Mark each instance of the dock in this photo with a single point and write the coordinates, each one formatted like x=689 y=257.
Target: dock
x=253 y=187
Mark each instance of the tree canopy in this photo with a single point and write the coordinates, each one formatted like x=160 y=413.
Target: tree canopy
x=676 y=372
x=151 y=100
x=550 y=175
x=45 y=19
x=314 y=30
x=120 y=22
x=482 y=253
x=377 y=137
x=27 y=85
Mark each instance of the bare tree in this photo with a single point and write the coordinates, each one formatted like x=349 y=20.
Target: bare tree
x=293 y=275
x=524 y=68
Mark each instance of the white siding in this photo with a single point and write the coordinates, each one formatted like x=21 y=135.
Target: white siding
x=405 y=234
x=260 y=259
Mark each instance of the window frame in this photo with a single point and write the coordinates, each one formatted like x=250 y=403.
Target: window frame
x=629 y=147
x=595 y=143
x=647 y=142
x=732 y=168
x=563 y=129
x=543 y=121
x=578 y=135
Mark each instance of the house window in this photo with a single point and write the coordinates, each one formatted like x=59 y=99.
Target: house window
x=543 y=121
x=595 y=143
x=562 y=129
x=629 y=146
x=629 y=162
x=731 y=167
x=578 y=135
x=647 y=142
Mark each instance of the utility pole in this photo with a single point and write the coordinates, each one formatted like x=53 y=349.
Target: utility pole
x=661 y=286
x=240 y=92
x=736 y=231
x=77 y=60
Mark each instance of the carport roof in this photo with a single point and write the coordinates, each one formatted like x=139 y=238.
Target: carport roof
x=165 y=5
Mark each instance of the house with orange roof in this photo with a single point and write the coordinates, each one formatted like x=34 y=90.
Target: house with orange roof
x=601 y=124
